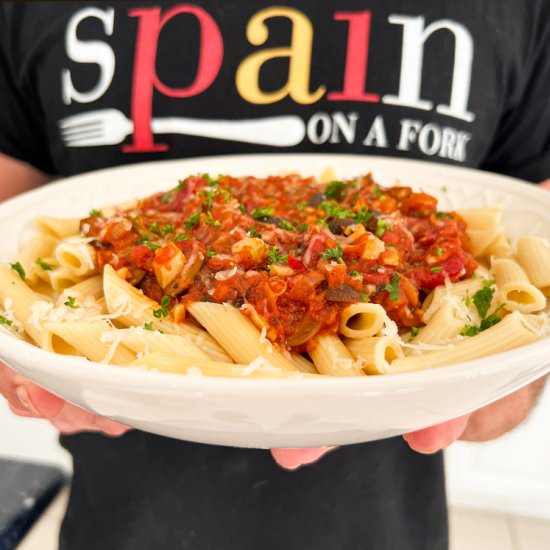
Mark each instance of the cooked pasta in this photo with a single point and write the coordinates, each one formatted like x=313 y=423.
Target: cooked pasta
x=278 y=277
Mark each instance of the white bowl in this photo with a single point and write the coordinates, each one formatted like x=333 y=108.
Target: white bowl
x=278 y=413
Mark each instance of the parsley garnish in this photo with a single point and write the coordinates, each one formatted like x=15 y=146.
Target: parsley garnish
x=393 y=288
x=18 y=268
x=181 y=185
x=210 y=180
x=252 y=231
x=148 y=326
x=209 y=195
x=414 y=331
x=283 y=224
x=259 y=213
x=161 y=231
x=94 y=212
x=275 y=256
x=334 y=210
x=436 y=269
x=210 y=220
x=180 y=237
x=71 y=302
x=334 y=190
x=377 y=191
x=242 y=208
x=354 y=273
x=303 y=227
x=6 y=322
x=442 y=215
x=438 y=252
x=210 y=253
x=364 y=297
x=166 y=198
x=151 y=245
x=381 y=227
x=363 y=216
x=334 y=254
x=162 y=311
x=301 y=206
x=192 y=221
x=43 y=265
x=482 y=298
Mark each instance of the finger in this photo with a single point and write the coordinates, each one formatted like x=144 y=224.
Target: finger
x=436 y=438
x=291 y=459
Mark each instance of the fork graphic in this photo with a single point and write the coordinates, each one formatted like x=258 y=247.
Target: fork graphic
x=111 y=127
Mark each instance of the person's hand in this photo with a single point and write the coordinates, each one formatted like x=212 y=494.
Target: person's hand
x=28 y=399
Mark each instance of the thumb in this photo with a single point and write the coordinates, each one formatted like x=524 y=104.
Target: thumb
x=43 y=402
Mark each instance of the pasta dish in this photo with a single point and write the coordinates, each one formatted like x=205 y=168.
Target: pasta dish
x=279 y=276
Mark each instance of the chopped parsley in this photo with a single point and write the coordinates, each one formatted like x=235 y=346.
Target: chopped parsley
x=166 y=198
x=5 y=321
x=94 y=213
x=364 y=297
x=381 y=227
x=210 y=253
x=335 y=253
x=242 y=208
x=301 y=206
x=377 y=191
x=181 y=185
x=71 y=302
x=303 y=227
x=284 y=224
x=275 y=256
x=148 y=326
x=151 y=245
x=414 y=331
x=180 y=237
x=354 y=273
x=442 y=215
x=209 y=195
x=468 y=300
x=43 y=265
x=210 y=180
x=334 y=190
x=192 y=221
x=334 y=210
x=253 y=232
x=18 y=268
x=162 y=311
x=482 y=299
x=363 y=215
x=259 y=213
x=161 y=231
x=393 y=287
x=438 y=252
x=436 y=269
x=211 y=220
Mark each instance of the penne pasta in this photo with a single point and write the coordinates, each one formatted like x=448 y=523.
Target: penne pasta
x=92 y=286
x=376 y=354
x=58 y=227
x=514 y=287
x=303 y=364
x=259 y=368
x=130 y=307
x=513 y=331
x=453 y=290
x=35 y=256
x=533 y=254
x=237 y=335
x=444 y=325
x=362 y=320
x=140 y=340
x=76 y=256
x=332 y=357
x=484 y=242
x=482 y=218
x=88 y=339
x=61 y=279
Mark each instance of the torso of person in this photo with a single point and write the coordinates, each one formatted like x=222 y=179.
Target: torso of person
x=88 y=86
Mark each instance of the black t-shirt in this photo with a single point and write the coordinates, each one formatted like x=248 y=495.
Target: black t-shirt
x=465 y=83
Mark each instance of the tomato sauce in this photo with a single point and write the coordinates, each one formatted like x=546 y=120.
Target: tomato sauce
x=289 y=252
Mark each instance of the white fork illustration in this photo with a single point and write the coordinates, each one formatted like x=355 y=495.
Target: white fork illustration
x=111 y=127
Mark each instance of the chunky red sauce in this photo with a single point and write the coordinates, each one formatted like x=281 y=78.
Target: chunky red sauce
x=289 y=252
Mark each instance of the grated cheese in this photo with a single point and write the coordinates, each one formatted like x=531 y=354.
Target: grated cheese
x=260 y=363
x=226 y=274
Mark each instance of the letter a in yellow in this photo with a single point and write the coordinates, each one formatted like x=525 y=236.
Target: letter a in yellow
x=299 y=54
